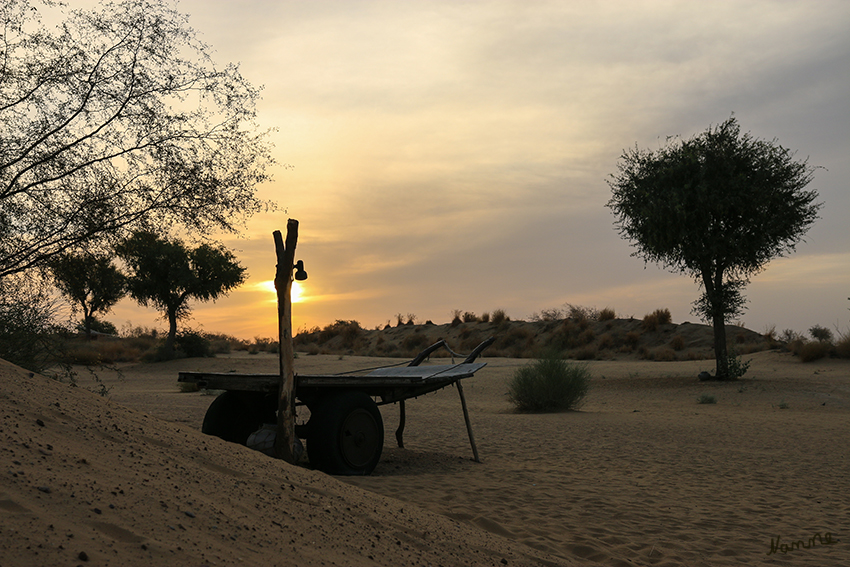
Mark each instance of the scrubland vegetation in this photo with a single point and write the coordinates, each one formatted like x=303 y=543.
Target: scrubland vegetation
x=572 y=332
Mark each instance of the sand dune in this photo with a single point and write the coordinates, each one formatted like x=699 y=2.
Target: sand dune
x=642 y=475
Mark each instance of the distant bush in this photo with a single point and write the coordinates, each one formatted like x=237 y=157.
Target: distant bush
x=651 y=321
x=348 y=331
x=821 y=334
x=842 y=347
x=677 y=343
x=706 y=399
x=456 y=318
x=499 y=316
x=607 y=314
x=192 y=344
x=469 y=317
x=549 y=384
x=815 y=350
x=484 y=318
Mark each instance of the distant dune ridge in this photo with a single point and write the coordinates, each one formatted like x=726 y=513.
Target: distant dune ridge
x=580 y=339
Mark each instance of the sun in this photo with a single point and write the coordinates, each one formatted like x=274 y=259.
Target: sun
x=297 y=294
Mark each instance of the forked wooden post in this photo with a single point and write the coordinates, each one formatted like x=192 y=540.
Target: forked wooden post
x=285 y=440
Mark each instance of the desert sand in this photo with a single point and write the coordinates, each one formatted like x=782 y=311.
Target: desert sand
x=641 y=475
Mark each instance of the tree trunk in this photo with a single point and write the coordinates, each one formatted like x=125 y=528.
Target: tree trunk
x=172 y=332
x=720 y=352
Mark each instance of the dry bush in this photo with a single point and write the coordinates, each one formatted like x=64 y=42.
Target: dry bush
x=677 y=343
x=586 y=337
x=651 y=321
x=553 y=314
x=469 y=317
x=499 y=316
x=663 y=354
x=485 y=318
x=605 y=341
x=632 y=339
x=842 y=347
x=580 y=313
x=607 y=314
x=740 y=338
x=456 y=318
x=789 y=336
x=348 y=331
x=814 y=350
x=415 y=342
x=585 y=353
x=770 y=336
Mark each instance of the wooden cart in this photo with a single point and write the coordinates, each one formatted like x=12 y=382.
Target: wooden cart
x=345 y=432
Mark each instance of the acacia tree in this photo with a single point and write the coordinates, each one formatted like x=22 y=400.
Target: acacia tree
x=90 y=281
x=717 y=207
x=116 y=121
x=166 y=274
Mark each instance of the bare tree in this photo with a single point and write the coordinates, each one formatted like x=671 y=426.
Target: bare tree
x=115 y=121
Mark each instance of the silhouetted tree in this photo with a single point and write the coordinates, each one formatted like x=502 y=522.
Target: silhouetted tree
x=166 y=274
x=90 y=282
x=717 y=207
x=116 y=121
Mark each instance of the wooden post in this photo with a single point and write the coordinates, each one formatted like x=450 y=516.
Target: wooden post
x=468 y=424
x=285 y=440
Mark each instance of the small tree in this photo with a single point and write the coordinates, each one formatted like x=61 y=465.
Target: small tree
x=717 y=207
x=90 y=282
x=166 y=274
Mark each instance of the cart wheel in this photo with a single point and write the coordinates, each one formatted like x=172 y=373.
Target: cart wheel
x=346 y=434
x=233 y=415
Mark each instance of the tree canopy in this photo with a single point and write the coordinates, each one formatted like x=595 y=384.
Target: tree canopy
x=117 y=121
x=717 y=207
x=166 y=274
x=91 y=282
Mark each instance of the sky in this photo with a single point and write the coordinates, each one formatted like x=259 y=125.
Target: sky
x=445 y=155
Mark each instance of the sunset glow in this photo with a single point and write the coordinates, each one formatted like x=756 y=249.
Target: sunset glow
x=445 y=155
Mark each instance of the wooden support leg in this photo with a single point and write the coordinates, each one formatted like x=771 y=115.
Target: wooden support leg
x=468 y=424
x=399 y=433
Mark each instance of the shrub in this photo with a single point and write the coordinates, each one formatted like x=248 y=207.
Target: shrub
x=842 y=347
x=585 y=353
x=485 y=318
x=416 y=341
x=677 y=343
x=706 y=399
x=651 y=321
x=549 y=384
x=499 y=316
x=815 y=350
x=469 y=317
x=348 y=331
x=28 y=334
x=192 y=344
x=456 y=320
x=737 y=367
x=607 y=314
x=632 y=338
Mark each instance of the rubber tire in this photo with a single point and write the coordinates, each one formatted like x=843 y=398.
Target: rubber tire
x=233 y=415
x=346 y=434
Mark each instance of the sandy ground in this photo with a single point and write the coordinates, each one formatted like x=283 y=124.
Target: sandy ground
x=641 y=475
